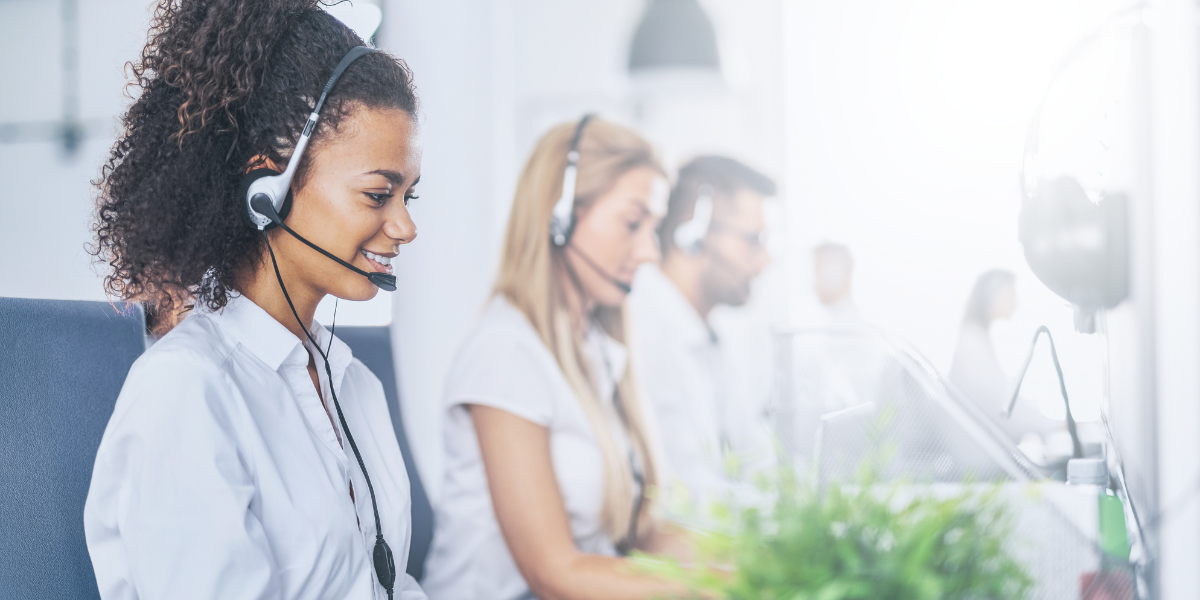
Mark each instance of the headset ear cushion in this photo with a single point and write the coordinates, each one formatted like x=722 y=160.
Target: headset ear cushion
x=244 y=201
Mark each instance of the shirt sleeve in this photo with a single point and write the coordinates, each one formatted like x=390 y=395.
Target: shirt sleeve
x=508 y=372
x=172 y=496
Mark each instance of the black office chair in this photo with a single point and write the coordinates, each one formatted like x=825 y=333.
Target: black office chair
x=373 y=346
x=62 y=364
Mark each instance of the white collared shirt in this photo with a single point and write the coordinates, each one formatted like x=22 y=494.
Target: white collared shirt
x=220 y=475
x=504 y=364
x=679 y=364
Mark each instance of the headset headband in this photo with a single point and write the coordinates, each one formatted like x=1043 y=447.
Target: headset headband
x=562 y=220
x=264 y=194
x=275 y=187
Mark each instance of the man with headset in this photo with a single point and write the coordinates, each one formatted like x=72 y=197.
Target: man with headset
x=712 y=242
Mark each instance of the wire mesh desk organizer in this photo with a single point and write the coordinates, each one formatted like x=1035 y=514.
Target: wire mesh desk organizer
x=848 y=395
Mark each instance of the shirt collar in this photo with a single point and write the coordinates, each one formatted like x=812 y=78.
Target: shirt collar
x=257 y=331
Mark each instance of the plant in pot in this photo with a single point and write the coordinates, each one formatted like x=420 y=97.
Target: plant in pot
x=858 y=541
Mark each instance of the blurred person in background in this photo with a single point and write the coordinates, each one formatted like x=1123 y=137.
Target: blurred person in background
x=833 y=278
x=976 y=369
x=222 y=472
x=713 y=249
x=551 y=472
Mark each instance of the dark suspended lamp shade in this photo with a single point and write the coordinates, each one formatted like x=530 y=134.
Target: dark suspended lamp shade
x=674 y=34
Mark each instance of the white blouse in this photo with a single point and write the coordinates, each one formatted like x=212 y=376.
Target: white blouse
x=504 y=364
x=220 y=475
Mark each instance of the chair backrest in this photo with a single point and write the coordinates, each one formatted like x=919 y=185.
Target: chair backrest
x=62 y=364
x=373 y=346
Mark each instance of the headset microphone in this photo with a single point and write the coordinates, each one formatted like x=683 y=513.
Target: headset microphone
x=262 y=204
x=562 y=218
x=562 y=225
x=621 y=285
x=266 y=194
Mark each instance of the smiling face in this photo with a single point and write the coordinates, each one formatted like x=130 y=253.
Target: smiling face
x=353 y=203
x=616 y=232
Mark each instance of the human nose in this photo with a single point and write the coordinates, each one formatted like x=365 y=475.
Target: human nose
x=399 y=225
x=646 y=246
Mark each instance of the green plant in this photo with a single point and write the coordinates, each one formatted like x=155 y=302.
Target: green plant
x=862 y=541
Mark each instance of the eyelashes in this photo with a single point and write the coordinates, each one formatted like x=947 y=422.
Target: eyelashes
x=382 y=199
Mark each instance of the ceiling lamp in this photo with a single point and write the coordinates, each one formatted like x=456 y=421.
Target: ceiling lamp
x=672 y=35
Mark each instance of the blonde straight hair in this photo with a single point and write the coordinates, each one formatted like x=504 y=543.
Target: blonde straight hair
x=530 y=278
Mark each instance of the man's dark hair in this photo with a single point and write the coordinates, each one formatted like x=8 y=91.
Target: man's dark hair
x=725 y=175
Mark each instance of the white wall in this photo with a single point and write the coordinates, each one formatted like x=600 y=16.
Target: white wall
x=459 y=53
x=45 y=197
x=906 y=129
x=1174 y=192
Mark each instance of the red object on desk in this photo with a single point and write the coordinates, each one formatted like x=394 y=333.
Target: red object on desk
x=1106 y=585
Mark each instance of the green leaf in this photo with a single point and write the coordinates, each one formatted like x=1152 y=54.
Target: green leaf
x=857 y=542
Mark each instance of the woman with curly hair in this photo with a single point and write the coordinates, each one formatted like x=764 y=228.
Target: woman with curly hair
x=234 y=467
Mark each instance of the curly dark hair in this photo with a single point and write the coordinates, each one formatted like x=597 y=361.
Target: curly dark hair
x=221 y=82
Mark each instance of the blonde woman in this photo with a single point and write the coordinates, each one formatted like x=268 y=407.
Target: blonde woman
x=550 y=462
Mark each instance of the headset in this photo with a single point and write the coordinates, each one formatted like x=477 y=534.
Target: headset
x=562 y=225
x=562 y=218
x=689 y=235
x=266 y=195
